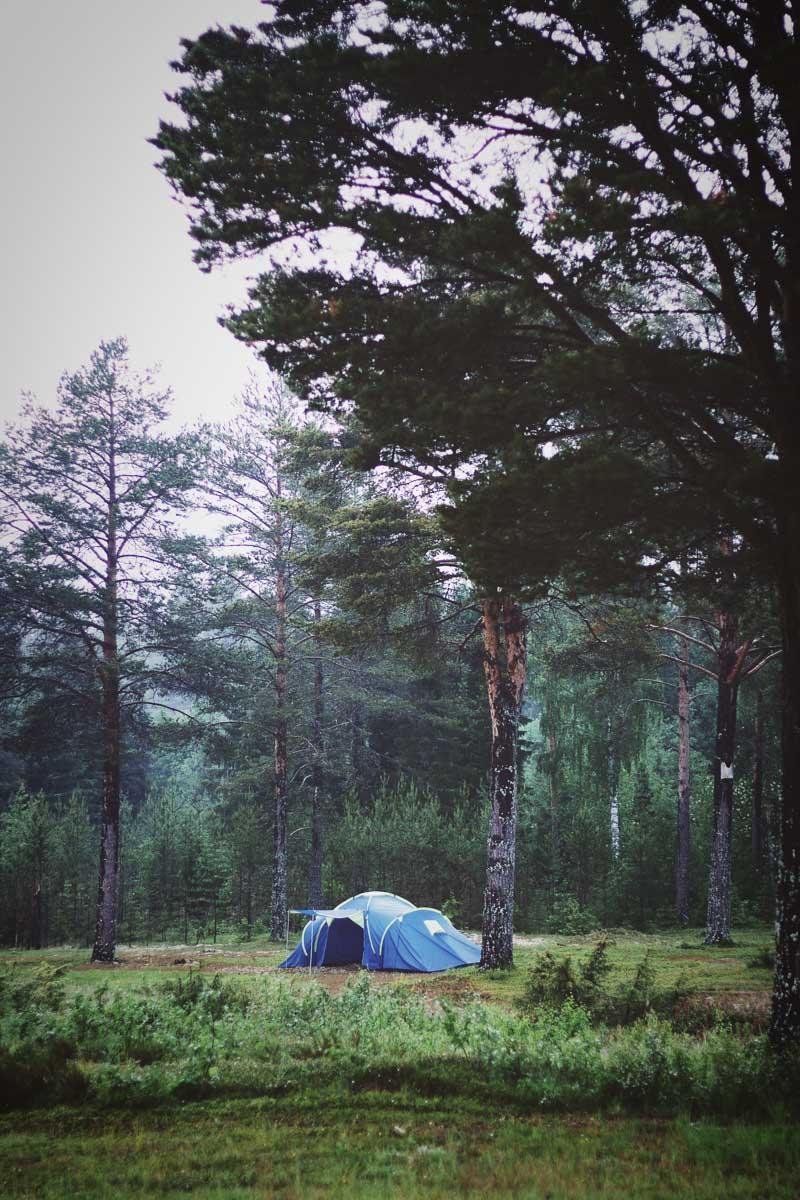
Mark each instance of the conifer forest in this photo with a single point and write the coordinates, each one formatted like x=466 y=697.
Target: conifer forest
x=483 y=591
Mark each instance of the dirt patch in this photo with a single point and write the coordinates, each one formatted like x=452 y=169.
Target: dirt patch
x=741 y=1004
x=699 y=958
x=195 y=959
x=745 y=1010
x=449 y=986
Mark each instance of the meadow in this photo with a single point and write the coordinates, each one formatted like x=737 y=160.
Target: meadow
x=205 y=1070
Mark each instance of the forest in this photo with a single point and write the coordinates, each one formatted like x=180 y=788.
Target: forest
x=487 y=595
x=294 y=703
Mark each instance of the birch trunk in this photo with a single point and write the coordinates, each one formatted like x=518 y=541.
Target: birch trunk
x=613 y=787
x=36 y=938
x=504 y=659
x=718 y=923
x=684 y=790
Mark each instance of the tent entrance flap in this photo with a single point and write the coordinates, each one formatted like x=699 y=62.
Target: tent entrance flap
x=329 y=939
x=343 y=940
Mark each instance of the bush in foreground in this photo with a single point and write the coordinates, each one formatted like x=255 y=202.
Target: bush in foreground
x=203 y=1037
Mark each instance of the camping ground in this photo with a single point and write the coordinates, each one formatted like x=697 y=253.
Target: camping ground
x=400 y=489
x=346 y=1083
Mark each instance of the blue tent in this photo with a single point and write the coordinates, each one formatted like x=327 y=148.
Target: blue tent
x=384 y=933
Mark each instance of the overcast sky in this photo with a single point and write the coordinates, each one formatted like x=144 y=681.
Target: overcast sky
x=93 y=244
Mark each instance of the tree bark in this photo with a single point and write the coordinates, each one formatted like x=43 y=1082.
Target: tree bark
x=504 y=660
x=36 y=916
x=37 y=937
x=718 y=923
x=357 y=747
x=785 y=1021
x=684 y=791
x=279 y=902
x=757 y=806
x=613 y=787
x=318 y=773
x=555 y=836
x=105 y=937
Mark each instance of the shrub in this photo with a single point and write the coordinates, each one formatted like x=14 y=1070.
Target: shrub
x=567 y=917
x=198 y=1036
x=552 y=982
x=31 y=1074
x=41 y=988
x=196 y=992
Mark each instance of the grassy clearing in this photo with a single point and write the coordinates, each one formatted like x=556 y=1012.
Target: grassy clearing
x=206 y=1035
x=220 y=1076
x=318 y=1144
x=712 y=971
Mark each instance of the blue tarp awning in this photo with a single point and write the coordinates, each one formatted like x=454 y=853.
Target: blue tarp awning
x=327 y=912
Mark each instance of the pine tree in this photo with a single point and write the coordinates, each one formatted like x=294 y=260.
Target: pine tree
x=85 y=493
x=530 y=298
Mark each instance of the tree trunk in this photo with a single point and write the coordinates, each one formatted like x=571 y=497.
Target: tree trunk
x=504 y=662
x=684 y=791
x=105 y=937
x=36 y=916
x=318 y=773
x=357 y=751
x=718 y=924
x=555 y=836
x=279 y=903
x=757 y=806
x=785 y=1023
x=613 y=787
x=37 y=937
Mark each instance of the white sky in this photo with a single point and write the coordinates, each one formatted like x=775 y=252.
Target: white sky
x=93 y=245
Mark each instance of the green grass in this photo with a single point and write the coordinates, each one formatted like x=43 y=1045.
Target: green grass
x=408 y=1147
x=144 y=965
x=711 y=970
x=388 y=1090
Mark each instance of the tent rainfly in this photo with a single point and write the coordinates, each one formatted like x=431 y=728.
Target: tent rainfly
x=383 y=932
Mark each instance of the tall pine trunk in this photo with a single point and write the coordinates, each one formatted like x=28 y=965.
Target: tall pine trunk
x=318 y=772
x=785 y=1022
x=684 y=791
x=105 y=937
x=505 y=662
x=757 y=795
x=718 y=923
x=279 y=901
